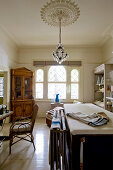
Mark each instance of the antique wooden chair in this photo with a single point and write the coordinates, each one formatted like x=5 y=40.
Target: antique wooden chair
x=22 y=130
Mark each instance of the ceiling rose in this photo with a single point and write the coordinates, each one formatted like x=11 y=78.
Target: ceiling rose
x=60 y=13
x=66 y=10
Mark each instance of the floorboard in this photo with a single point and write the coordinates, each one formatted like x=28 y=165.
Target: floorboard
x=23 y=156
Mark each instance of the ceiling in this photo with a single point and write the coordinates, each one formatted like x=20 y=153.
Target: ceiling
x=21 y=20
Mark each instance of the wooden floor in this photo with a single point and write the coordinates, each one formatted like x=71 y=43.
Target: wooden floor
x=23 y=156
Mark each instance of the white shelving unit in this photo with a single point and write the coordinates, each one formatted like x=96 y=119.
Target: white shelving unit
x=102 y=89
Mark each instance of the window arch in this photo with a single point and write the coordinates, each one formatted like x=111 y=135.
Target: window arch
x=57 y=74
x=74 y=75
x=39 y=83
x=74 y=84
x=57 y=82
x=39 y=75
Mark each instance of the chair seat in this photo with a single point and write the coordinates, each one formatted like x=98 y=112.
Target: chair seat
x=21 y=127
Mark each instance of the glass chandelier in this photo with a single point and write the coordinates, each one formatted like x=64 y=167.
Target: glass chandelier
x=60 y=55
x=55 y=13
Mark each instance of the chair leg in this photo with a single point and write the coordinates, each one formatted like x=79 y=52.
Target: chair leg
x=10 y=143
x=32 y=140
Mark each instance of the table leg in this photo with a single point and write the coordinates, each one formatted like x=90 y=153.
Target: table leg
x=2 y=138
x=75 y=152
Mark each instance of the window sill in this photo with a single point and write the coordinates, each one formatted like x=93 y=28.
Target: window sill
x=52 y=101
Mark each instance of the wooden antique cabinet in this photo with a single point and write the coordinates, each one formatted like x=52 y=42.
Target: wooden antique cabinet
x=21 y=92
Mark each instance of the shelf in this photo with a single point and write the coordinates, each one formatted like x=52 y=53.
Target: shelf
x=98 y=91
x=99 y=84
x=110 y=98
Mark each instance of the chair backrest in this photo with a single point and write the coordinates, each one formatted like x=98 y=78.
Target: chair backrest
x=34 y=114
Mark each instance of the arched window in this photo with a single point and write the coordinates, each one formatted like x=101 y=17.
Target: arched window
x=57 y=79
x=39 y=83
x=74 y=84
x=57 y=82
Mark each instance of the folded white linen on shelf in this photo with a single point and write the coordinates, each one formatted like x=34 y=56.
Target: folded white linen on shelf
x=56 y=123
x=51 y=111
x=94 y=119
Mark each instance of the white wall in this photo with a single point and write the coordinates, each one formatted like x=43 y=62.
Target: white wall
x=107 y=50
x=91 y=57
x=8 y=51
x=44 y=53
x=8 y=58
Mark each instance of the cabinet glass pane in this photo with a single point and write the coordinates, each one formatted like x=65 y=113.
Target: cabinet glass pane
x=18 y=87
x=27 y=87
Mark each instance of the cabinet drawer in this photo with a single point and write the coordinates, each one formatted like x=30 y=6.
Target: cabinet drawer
x=28 y=108
x=18 y=109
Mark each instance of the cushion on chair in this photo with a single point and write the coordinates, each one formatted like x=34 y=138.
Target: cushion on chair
x=22 y=127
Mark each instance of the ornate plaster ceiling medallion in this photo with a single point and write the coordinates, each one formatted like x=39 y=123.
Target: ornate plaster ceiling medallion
x=67 y=10
x=60 y=13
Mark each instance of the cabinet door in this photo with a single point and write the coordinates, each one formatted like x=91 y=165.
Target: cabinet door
x=28 y=108
x=27 y=87
x=18 y=87
x=18 y=109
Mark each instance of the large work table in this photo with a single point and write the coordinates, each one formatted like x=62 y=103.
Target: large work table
x=97 y=147
x=2 y=117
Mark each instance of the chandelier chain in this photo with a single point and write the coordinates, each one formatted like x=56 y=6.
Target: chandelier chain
x=59 y=30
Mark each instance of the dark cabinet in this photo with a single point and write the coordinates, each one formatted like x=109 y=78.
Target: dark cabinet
x=21 y=92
